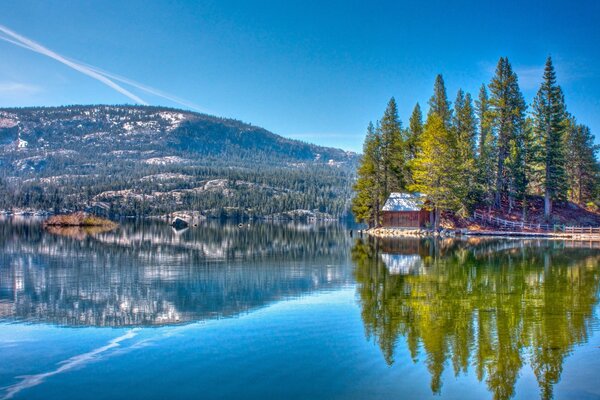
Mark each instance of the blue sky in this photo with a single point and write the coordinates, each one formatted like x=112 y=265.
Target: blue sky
x=311 y=70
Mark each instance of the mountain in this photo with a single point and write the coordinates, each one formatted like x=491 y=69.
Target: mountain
x=140 y=160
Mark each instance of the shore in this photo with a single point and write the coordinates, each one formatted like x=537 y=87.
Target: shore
x=419 y=233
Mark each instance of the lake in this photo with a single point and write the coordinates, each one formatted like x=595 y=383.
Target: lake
x=292 y=311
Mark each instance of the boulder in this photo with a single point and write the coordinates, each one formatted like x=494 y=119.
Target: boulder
x=179 y=223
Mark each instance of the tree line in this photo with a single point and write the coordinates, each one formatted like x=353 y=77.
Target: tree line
x=492 y=152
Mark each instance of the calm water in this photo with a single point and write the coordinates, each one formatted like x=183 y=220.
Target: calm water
x=287 y=311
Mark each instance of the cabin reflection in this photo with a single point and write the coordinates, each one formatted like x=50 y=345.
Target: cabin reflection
x=405 y=256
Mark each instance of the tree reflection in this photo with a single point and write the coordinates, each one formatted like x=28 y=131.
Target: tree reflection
x=495 y=305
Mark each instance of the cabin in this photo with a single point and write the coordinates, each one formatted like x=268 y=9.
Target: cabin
x=405 y=210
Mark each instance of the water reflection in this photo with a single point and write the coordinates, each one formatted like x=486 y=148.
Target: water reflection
x=147 y=274
x=494 y=306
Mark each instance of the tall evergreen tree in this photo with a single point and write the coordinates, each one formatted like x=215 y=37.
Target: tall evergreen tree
x=439 y=104
x=434 y=169
x=392 y=150
x=508 y=111
x=532 y=156
x=368 y=187
x=581 y=166
x=464 y=129
x=486 y=149
x=549 y=116
x=415 y=129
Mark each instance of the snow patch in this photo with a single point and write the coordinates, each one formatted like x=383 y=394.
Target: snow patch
x=165 y=160
x=8 y=123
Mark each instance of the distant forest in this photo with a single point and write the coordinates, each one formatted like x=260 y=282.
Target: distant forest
x=139 y=161
x=492 y=152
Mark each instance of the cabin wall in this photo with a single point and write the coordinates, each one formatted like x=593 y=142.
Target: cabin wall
x=426 y=218
x=402 y=219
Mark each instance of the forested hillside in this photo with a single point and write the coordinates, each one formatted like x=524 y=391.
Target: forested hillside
x=494 y=152
x=149 y=161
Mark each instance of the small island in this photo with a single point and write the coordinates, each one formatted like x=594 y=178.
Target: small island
x=79 y=219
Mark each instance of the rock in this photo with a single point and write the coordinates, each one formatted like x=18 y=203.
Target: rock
x=179 y=223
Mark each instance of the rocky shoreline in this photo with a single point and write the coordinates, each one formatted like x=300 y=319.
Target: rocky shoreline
x=423 y=233
x=404 y=232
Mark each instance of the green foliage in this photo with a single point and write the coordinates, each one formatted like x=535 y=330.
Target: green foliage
x=415 y=129
x=439 y=104
x=435 y=171
x=392 y=150
x=488 y=153
x=465 y=131
x=582 y=170
x=508 y=112
x=549 y=115
x=369 y=185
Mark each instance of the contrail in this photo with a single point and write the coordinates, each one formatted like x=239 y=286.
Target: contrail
x=31 y=45
x=147 y=89
x=118 y=78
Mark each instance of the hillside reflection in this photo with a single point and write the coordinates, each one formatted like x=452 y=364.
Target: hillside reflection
x=483 y=307
x=148 y=274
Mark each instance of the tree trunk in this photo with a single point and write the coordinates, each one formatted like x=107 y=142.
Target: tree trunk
x=580 y=185
x=547 y=205
x=437 y=219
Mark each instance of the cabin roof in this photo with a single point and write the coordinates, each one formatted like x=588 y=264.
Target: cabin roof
x=402 y=201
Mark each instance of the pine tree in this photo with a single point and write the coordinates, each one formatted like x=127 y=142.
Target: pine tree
x=532 y=156
x=549 y=123
x=415 y=129
x=581 y=167
x=508 y=110
x=439 y=104
x=535 y=160
x=434 y=168
x=368 y=187
x=486 y=149
x=464 y=131
x=392 y=150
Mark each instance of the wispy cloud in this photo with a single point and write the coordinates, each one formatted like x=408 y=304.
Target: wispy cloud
x=530 y=76
x=99 y=74
x=18 y=89
x=148 y=89
x=308 y=135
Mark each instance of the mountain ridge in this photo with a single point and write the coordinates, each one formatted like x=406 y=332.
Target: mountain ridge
x=154 y=160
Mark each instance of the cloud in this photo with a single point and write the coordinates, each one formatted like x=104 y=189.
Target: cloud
x=304 y=136
x=18 y=89
x=530 y=77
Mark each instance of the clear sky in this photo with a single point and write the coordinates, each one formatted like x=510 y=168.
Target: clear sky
x=318 y=71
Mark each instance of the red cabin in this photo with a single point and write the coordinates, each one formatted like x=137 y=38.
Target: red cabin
x=406 y=210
